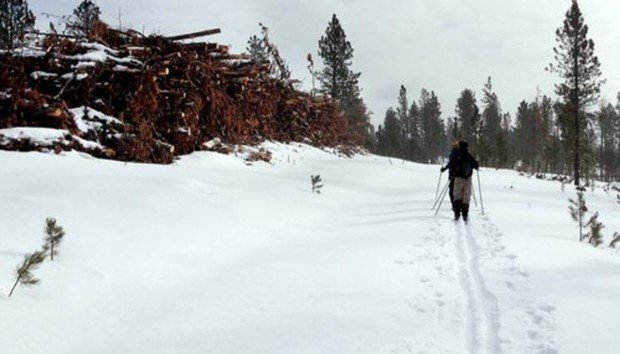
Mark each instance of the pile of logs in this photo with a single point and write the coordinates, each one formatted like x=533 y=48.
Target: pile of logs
x=167 y=97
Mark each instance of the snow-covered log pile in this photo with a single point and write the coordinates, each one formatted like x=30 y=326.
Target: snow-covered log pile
x=122 y=95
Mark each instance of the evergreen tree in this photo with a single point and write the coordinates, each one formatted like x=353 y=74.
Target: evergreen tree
x=15 y=20
x=504 y=157
x=545 y=121
x=556 y=155
x=523 y=135
x=390 y=137
x=53 y=236
x=256 y=49
x=594 y=236
x=402 y=112
x=85 y=16
x=564 y=127
x=340 y=81
x=317 y=184
x=578 y=209
x=23 y=273
x=337 y=78
x=491 y=135
x=533 y=144
x=433 y=134
x=579 y=69
x=608 y=121
x=468 y=118
x=414 y=141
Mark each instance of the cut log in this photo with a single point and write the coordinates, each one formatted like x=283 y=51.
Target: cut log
x=195 y=34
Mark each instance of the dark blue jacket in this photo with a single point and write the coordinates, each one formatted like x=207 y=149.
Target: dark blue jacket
x=460 y=158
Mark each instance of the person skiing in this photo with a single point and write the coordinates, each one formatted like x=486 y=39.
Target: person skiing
x=453 y=152
x=463 y=165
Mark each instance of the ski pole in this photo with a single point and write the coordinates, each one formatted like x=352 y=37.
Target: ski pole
x=480 y=191
x=438 y=184
x=442 y=198
x=473 y=193
x=439 y=196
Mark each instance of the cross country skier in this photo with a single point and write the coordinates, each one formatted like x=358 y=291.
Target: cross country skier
x=463 y=165
x=455 y=149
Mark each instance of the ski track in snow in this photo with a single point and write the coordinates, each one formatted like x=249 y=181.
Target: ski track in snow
x=478 y=250
x=471 y=327
x=481 y=313
x=538 y=330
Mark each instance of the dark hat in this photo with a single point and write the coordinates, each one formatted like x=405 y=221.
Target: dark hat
x=463 y=145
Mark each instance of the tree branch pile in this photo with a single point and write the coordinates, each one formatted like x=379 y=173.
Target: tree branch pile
x=126 y=96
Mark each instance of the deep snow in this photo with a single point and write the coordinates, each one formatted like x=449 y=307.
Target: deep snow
x=209 y=255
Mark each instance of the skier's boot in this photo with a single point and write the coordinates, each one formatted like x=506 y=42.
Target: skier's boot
x=457 y=210
x=465 y=209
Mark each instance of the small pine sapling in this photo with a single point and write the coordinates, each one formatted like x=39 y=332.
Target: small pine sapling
x=317 y=184
x=24 y=274
x=595 y=238
x=616 y=240
x=577 y=211
x=53 y=237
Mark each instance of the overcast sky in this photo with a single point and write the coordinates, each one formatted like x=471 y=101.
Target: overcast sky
x=440 y=45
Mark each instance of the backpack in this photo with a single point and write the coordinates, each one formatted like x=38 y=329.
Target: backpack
x=464 y=167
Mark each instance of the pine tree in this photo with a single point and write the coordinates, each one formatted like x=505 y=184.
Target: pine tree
x=337 y=78
x=84 y=18
x=578 y=209
x=522 y=133
x=53 y=236
x=432 y=128
x=414 y=143
x=23 y=273
x=491 y=135
x=608 y=120
x=402 y=113
x=340 y=81
x=504 y=157
x=256 y=49
x=565 y=133
x=15 y=20
x=317 y=184
x=468 y=118
x=545 y=121
x=532 y=143
x=594 y=236
x=381 y=141
x=390 y=138
x=579 y=69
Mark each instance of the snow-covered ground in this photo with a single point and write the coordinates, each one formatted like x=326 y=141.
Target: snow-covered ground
x=210 y=255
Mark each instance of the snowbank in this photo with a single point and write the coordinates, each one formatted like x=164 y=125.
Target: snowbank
x=43 y=137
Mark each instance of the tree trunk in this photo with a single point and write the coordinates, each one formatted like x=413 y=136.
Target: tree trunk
x=577 y=125
x=582 y=236
x=577 y=154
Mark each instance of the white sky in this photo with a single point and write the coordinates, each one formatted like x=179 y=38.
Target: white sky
x=440 y=45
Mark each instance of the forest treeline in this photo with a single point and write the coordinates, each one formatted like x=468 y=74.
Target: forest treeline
x=537 y=138
x=575 y=133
